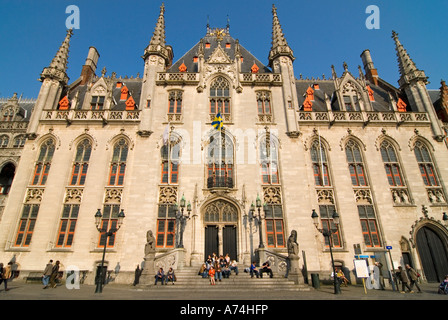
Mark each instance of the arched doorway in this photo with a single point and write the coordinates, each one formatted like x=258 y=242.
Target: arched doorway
x=6 y=177
x=432 y=249
x=221 y=229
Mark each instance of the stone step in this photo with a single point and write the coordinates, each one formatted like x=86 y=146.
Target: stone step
x=188 y=278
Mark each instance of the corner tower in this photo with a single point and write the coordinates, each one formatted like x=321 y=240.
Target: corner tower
x=54 y=79
x=413 y=83
x=158 y=56
x=281 y=58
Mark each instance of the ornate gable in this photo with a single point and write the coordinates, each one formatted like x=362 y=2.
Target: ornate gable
x=219 y=56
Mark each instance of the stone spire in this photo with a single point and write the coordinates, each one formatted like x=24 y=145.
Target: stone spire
x=158 y=37
x=407 y=67
x=279 y=45
x=58 y=66
x=157 y=45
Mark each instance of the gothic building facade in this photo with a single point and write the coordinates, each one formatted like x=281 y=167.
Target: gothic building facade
x=289 y=147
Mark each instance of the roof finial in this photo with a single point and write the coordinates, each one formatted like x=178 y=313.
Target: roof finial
x=279 y=46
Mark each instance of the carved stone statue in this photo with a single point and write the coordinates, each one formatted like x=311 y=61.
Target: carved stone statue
x=150 y=246
x=293 y=246
x=293 y=257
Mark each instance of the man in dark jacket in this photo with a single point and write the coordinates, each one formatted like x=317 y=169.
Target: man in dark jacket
x=413 y=277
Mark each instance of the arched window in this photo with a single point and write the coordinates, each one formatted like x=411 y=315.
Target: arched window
x=269 y=160
x=391 y=164
x=220 y=162
x=81 y=164
x=175 y=102
x=4 y=141
x=8 y=114
x=6 y=177
x=220 y=96
x=355 y=164
x=19 y=141
x=118 y=163
x=43 y=163
x=425 y=164
x=170 y=154
x=264 y=102
x=320 y=165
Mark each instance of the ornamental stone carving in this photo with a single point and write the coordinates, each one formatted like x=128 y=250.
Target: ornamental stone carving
x=73 y=195
x=168 y=195
x=272 y=195
x=113 y=195
x=34 y=195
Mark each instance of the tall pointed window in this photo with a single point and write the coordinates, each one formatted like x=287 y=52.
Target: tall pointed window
x=355 y=164
x=118 y=164
x=170 y=154
x=175 y=102
x=326 y=215
x=26 y=225
x=425 y=164
x=320 y=165
x=43 y=163
x=269 y=160
x=220 y=96
x=109 y=221
x=81 y=164
x=391 y=164
x=67 y=225
x=220 y=162
x=166 y=223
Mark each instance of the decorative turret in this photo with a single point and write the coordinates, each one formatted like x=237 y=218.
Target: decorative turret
x=279 y=45
x=408 y=70
x=281 y=58
x=413 y=83
x=157 y=45
x=58 y=66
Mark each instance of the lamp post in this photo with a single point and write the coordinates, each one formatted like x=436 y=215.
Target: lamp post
x=258 y=217
x=113 y=229
x=181 y=220
x=328 y=233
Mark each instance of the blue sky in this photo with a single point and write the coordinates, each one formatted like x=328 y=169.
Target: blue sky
x=321 y=33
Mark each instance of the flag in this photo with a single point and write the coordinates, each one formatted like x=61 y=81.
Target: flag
x=166 y=134
x=217 y=122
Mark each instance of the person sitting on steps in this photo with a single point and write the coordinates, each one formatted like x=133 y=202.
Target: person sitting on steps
x=266 y=268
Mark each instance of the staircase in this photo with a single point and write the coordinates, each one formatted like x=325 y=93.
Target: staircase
x=188 y=278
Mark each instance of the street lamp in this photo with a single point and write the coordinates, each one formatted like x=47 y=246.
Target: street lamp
x=258 y=217
x=445 y=219
x=181 y=221
x=328 y=233
x=113 y=229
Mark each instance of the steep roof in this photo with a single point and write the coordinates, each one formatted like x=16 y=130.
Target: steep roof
x=228 y=45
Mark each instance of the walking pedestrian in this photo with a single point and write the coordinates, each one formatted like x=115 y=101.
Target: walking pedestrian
x=47 y=273
x=413 y=277
x=403 y=275
x=54 y=274
x=5 y=274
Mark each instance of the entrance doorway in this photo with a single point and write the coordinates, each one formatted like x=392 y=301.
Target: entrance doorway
x=221 y=229
x=433 y=254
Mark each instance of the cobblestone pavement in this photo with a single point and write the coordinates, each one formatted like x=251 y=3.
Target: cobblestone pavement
x=19 y=290
x=212 y=302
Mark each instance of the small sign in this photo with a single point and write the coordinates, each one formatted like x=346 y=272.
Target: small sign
x=362 y=271
x=389 y=247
